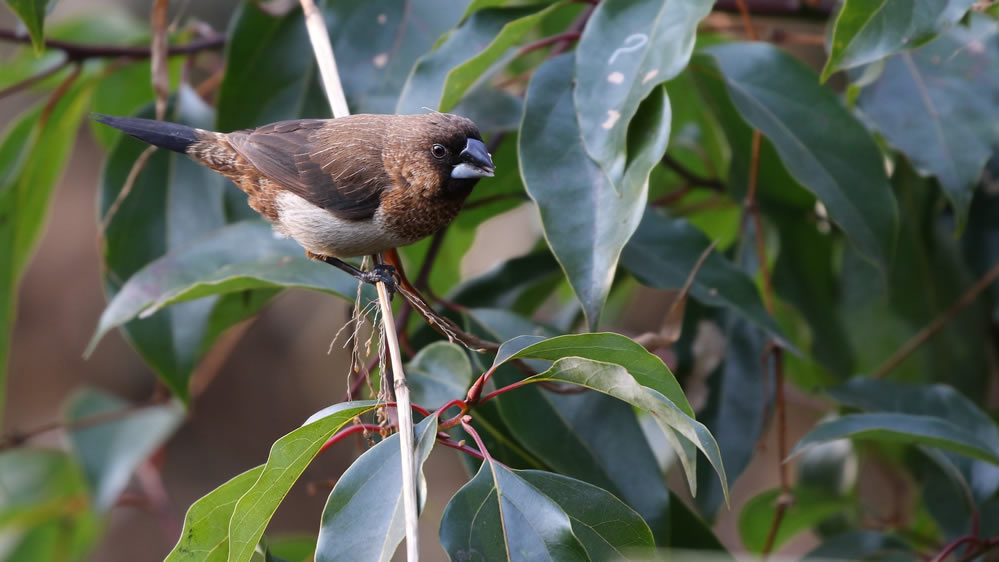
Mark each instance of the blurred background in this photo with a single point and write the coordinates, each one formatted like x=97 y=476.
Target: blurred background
x=267 y=376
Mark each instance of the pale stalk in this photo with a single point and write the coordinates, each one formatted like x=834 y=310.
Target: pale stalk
x=338 y=103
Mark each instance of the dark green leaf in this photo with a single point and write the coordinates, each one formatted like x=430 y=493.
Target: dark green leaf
x=868 y=30
x=377 y=42
x=735 y=412
x=509 y=284
x=936 y=104
x=688 y=531
x=33 y=153
x=607 y=528
x=32 y=13
x=809 y=509
x=293 y=548
x=859 y=545
x=683 y=432
x=441 y=78
x=45 y=512
x=663 y=252
x=205 y=537
x=627 y=49
x=363 y=518
x=587 y=213
x=438 y=373
x=270 y=71
x=907 y=428
x=231 y=260
x=821 y=143
x=289 y=457
x=498 y=515
x=110 y=452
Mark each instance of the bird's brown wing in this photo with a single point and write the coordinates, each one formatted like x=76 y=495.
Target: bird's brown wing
x=332 y=169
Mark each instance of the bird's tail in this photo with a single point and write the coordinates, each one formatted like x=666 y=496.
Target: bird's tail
x=171 y=136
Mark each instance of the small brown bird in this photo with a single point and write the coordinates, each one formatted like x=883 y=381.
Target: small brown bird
x=342 y=188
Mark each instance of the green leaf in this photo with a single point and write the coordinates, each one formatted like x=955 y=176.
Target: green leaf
x=689 y=531
x=293 y=548
x=232 y=260
x=587 y=213
x=110 y=452
x=663 y=252
x=124 y=92
x=33 y=154
x=907 y=428
x=681 y=429
x=363 y=518
x=861 y=545
x=271 y=73
x=441 y=77
x=869 y=30
x=174 y=202
x=45 y=511
x=933 y=104
x=606 y=527
x=627 y=49
x=205 y=537
x=289 y=457
x=32 y=13
x=814 y=135
x=377 y=43
x=518 y=284
x=647 y=369
x=438 y=373
x=498 y=515
x=808 y=510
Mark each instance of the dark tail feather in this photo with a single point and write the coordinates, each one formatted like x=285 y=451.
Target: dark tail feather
x=171 y=136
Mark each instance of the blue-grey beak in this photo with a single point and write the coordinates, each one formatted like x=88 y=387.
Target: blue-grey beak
x=474 y=162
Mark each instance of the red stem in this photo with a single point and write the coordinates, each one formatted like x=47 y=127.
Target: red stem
x=954 y=545
x=506 y=388
x=340 y=435
x=478 y=440
x=446 y=440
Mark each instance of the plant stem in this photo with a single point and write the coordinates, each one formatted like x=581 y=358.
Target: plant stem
x=691 y=177
x=81 y=51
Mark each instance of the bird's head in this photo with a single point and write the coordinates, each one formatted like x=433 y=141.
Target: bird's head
x=452 y=146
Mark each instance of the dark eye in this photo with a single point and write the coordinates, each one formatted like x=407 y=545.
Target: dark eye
x=438 y=151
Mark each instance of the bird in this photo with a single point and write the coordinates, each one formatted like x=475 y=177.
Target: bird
x=342 y=188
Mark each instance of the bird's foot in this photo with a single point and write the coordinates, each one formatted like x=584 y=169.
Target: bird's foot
x=382 y=273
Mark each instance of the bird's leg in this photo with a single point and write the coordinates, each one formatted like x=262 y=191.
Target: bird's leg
x=380 y=273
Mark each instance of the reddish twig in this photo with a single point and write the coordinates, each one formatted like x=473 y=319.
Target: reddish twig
x=59 y=92
x=445 y=439
x=467 y=426
x=785 y=499
x=958 y=543
x=77 y=52
x=344 y=433
x=571 y=35
x=939 y=322
x=747 y=22
x=34 y=79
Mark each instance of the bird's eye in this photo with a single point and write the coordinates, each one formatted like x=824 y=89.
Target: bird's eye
x=438 y=151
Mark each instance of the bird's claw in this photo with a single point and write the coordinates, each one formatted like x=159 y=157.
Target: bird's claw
x=383 y=273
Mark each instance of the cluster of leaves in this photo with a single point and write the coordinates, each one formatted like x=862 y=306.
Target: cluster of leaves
x=874 y=217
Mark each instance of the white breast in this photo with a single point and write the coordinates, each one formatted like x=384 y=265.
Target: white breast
x=320 y=232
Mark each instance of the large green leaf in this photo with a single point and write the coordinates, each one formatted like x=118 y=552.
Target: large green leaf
x=628 y=49
x=588 y=213
x=499 y=515
x=45 y=510
x=205 y=537
x=662 y=254
x=810 y=508
x=270 y=71
x=110 y=452
x=937 y=105
x=689 y=531
x=441 y=78
x=32 y=13
x=232 y=260
x=868 y=30
x=289 y=457
x=33 y=154
x=907 y=428
x=683 y=432
x=377 y=42
x=607 y=528
x=824 y=147
x=174 y=202
x=363 y=518
x=438 y=373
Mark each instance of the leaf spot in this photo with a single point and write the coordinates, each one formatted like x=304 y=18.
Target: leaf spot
x=615 y=77
x=380 y=60
x=650 y=75
x=612 y=117
x=632 y=43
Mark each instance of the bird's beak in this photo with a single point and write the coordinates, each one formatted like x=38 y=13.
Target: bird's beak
x=475 y=162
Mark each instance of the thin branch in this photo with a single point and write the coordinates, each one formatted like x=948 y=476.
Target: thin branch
x=747 y=22
x=785 y=500
x=444 y=439
x=570 y=35
x=939 y=322
x=34 y=79
x=133 y=175
x=158 y=56
x=690 y=177
x=82 y=51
